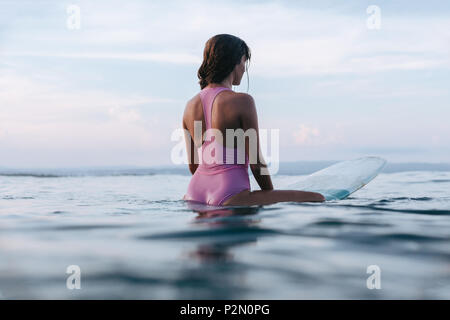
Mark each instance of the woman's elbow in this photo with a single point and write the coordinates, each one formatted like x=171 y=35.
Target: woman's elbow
x=193 y=167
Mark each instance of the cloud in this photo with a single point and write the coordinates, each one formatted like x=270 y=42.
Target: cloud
x=167 y=57
x=38 y=115
x=125 y=116
x=289 y=40
x=29 y=97
x=312 y=136
x=306 y=135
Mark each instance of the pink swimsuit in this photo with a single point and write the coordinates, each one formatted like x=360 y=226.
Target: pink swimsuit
x=215 y=180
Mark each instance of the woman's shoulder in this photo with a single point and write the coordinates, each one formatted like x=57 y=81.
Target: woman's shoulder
x=194 y=101
x=244 y=102
x=193 y=107
x=242 y=96
x=239 y=99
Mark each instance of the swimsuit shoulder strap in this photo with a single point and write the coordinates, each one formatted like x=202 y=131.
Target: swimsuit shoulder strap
x=207 y=96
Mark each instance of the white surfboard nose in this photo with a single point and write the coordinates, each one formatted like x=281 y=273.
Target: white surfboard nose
x=341 y=179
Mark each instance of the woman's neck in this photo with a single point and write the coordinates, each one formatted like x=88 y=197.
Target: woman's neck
x=227 y=83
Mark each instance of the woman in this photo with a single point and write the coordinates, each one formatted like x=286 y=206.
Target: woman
x=224 y=180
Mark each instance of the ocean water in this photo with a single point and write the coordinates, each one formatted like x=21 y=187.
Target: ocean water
x=133 y=238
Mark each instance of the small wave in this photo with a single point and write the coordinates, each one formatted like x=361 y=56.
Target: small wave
x=75 y=174
x=8 y=197
x=58 y=212
x=220 y=232
x=412 y=237
x=126 y=277
x=429 y=181
x=83 y=227
x=338 y=223
x=433 y=212
x=34 y=175
x=383 y=239
x=422 y=199
x=388 y=200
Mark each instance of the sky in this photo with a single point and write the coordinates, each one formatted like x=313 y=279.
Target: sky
x=338 y=79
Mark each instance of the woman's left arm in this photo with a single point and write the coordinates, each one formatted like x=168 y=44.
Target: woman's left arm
x=190 y=148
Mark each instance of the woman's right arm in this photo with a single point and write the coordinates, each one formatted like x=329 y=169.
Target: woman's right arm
x=259 y=166
x=190 y=146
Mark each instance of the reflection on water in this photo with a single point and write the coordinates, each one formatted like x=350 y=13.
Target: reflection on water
x=217 y=250
x=217 y=274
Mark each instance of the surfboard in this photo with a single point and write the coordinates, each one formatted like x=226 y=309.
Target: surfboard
x=341 y=179
x=335 y=182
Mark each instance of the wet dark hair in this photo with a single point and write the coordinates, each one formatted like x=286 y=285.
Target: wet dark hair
x=222 y=53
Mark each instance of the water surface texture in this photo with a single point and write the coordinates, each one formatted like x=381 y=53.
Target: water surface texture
x=133 y=238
